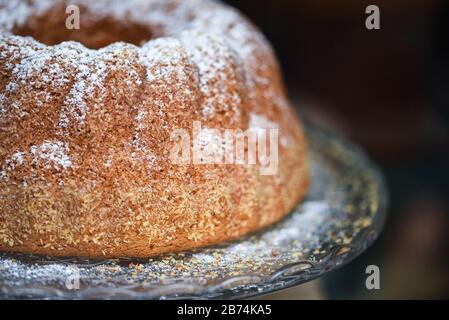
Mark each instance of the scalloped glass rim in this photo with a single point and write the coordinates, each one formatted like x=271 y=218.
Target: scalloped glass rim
x=342 y=215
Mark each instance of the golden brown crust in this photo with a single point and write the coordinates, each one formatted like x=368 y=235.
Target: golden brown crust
x=85 y=166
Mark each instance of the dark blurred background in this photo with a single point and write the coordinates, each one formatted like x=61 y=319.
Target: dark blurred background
x=387 y=90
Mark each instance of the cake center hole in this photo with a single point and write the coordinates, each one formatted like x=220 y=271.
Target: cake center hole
x=50 y=29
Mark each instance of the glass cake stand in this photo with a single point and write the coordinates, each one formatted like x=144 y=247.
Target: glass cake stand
x=342 y=215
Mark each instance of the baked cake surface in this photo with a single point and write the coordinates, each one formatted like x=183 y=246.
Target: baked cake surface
x=86 y=127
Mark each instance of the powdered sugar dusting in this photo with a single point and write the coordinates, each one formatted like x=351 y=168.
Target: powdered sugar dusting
x=202 y=40
x=167 y=68
x=54 y=153
x=213 y=58
x=16 y=159
x=49 y=154
x=163 y=58
x=16 y=12
x=217 y=35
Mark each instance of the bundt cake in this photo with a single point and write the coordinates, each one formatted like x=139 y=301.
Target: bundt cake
x=87 y=118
